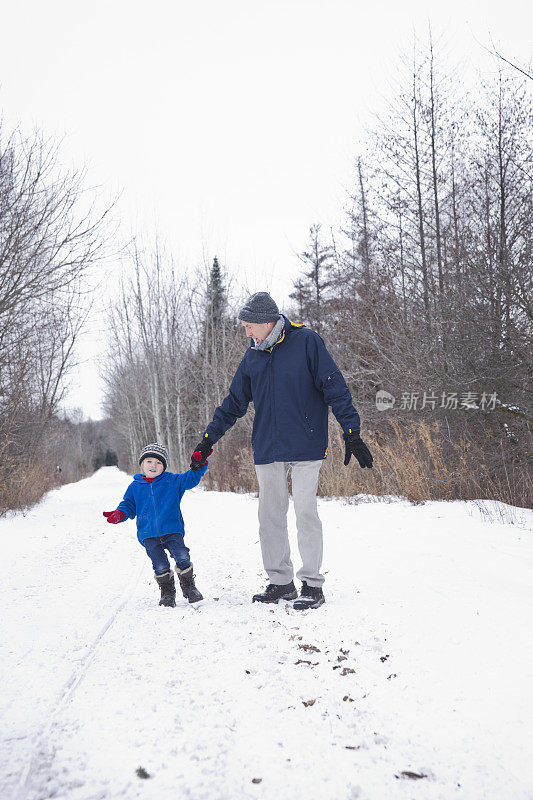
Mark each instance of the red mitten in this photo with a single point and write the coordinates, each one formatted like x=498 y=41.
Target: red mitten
x=199 y=456
x=114 y=516
x=201 y=453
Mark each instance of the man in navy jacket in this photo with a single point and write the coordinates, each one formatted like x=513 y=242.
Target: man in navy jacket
x=292 y=380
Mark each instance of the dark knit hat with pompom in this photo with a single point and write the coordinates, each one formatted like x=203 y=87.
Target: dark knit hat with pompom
x=155 y=451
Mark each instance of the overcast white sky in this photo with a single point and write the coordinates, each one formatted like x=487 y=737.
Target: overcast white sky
x=231 y=125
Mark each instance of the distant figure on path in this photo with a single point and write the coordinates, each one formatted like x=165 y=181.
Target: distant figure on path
x=292 y=379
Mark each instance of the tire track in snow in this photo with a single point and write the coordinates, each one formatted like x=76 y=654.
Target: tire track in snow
x=68 y=690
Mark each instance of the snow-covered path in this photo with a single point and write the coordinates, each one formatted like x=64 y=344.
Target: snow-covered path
x=421 y=661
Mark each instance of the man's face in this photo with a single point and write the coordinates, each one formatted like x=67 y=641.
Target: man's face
x=258 y=330
x=152 y=467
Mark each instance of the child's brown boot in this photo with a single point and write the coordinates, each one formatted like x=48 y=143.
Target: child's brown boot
x=168 y=589
x=186 y=578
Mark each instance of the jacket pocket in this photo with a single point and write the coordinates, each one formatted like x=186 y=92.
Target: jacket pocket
x=309 y=426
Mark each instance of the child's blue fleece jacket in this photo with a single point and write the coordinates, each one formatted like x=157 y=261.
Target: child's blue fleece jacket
x=157 y=504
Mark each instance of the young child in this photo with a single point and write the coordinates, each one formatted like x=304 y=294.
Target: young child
x=154 y=498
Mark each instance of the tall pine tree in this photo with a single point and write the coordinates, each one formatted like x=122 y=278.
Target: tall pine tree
x=310 y=288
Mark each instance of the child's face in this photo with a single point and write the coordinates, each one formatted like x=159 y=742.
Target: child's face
x=152 y=467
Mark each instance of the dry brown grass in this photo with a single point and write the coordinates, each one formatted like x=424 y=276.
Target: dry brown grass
x=414 y=460
x=231 y=470
x=24 y=486
x=418 y=462
x=410 y=464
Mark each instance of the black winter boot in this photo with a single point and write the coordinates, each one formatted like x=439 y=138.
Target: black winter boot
x=188 y=587
x=310 y=597
x=168 y=589
x=275 y=592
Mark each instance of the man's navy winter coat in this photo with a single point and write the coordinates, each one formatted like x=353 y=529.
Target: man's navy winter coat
x=157 y=504
x=291 y=386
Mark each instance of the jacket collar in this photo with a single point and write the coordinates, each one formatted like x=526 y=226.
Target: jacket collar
x=287 y=329
x=273 y=336
x=140 y=478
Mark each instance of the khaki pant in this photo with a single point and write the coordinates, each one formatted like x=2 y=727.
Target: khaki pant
x=273 y=507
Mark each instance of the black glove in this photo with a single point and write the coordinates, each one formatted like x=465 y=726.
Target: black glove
x=201 y=453
x=356 y=447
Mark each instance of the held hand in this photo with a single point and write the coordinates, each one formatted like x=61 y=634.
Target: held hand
x=354 y=446
x=201 y=453
x=114 y=516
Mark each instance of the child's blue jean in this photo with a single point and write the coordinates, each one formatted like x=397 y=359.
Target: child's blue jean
x=173 y=542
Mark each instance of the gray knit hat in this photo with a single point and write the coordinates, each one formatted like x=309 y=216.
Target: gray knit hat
x=155 y=450
x=259 y=308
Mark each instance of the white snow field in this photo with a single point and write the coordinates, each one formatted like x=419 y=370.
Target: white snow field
x=419 y=664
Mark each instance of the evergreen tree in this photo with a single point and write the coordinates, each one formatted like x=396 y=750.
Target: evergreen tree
x=310 y=288
x=216 y=297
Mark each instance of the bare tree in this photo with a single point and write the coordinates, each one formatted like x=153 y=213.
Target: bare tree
x=50 y=238
x=47 y=240
x=440 y=220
